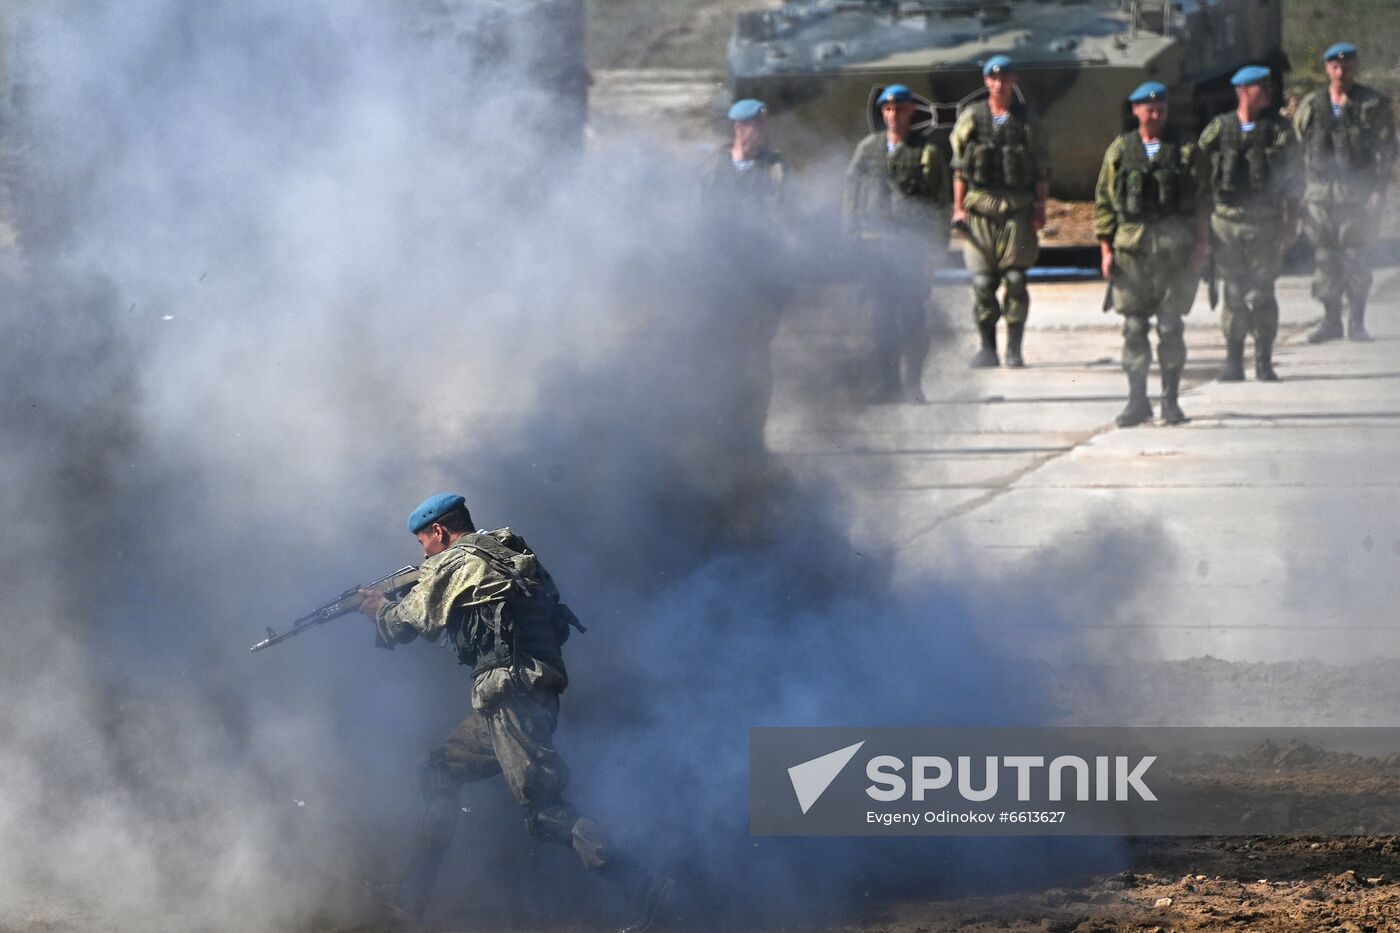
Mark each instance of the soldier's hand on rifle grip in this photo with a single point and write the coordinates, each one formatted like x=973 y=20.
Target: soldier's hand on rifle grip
x=371 y=602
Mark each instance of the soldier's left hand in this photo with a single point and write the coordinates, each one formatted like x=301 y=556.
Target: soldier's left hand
x=1038 y=217
x=371 y=602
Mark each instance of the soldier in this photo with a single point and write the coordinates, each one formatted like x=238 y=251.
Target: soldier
x=500 y=610
x=742 y=192
x=894 y=203
x=1001 y=165
x=747 y=173
x=1347 y=131
x=1256 y=180
x=1152 y=218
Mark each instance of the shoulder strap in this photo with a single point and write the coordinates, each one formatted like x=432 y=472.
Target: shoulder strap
x=1131 y=153
x=488 y=547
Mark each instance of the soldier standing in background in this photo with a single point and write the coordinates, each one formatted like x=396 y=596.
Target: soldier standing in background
x=894 y=202
x=1001 y=164
x=1347 y=131
x=1256 y=180
x=1151 y=215
x=742 y=190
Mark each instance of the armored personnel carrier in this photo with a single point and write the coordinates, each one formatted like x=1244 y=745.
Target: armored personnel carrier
x=819 y=64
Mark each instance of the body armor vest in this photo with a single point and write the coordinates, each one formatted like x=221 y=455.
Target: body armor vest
x=1000 y=156
x=529 y=622
x=1153 y=189
x=1338 y=146
x=1244 y=165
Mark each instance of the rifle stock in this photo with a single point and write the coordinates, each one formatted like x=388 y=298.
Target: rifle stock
x=393 y=585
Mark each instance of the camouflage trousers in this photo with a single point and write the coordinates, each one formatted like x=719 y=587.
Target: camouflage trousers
x=897 y=283
x=1248 y=260
x=515 y=739
x=1160 y=285
x=999 y=250
x=1342 y=236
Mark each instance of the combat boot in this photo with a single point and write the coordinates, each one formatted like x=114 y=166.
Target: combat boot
x=1356 y=322
x=1330 y=327
x=1138 y=409
x=1171 y=411
x=1264 y=359
x=1234 y=362
x=1014 y=334
x=986 y=357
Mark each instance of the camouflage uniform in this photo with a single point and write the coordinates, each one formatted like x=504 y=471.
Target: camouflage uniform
x=1347 y=159
x=499 y=608
x=1001 y=166
x=744 y=207
x=895 y=204
x=1148 y=209
x=1252 y=175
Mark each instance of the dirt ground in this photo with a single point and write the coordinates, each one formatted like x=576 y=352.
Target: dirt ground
x=1253 y=883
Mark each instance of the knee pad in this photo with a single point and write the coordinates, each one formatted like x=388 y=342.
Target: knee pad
x=1135 y=328
x=1170 y=326
x=1015 y=282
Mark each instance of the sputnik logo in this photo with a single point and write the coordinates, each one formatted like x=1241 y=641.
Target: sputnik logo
x=810 y=779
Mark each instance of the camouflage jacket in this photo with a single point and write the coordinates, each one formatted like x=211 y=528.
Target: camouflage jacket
x=1252 y=174
x=894 y=193
x=758 y=189
x=1175 y=183
x=489 y=594
x=1350 y=156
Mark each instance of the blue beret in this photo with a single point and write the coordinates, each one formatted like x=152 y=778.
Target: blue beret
x=746 y=110
x=897 y=93
x=434 y=508
x=997 y=64
x=1340 y=50
x=1149 y=90
x=1250 y=74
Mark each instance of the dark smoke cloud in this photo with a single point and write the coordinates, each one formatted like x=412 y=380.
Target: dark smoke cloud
x=290 y=269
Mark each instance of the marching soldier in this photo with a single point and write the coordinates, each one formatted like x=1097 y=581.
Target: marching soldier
x=1256 y=182
x=1347 y=131
x=1151 y=215
x=894 y=203
x=1001 y=165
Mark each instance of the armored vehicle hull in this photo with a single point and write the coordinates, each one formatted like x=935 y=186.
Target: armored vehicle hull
x=820 y=63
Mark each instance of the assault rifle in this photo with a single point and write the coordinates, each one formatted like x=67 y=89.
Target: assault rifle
x=393 y=586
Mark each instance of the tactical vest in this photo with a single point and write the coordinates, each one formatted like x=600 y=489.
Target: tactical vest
x=529 y=622
x=1338 y=146
x=1150 y=190
x=1244 y=165
x=894 y=188
x=1000 y=156
x=908 y=168
x=759 y=184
